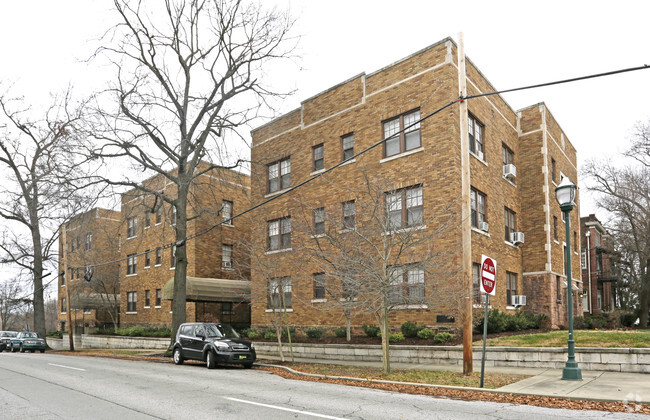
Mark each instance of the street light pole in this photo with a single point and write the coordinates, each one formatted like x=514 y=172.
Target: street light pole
x=565 y=193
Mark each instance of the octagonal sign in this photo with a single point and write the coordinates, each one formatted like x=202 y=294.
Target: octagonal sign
x=488 y=275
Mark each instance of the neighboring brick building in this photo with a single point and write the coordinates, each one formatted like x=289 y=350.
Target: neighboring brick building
x=87 y=239
x=216 y=265
x=598 y=269
x=516 y=159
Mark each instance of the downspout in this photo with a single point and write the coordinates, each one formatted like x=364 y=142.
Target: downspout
x=588 y=234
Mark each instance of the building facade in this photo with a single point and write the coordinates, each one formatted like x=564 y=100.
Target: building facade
x=598 y=268
x=413 y=163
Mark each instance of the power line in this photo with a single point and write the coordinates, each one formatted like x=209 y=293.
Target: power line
x=308 y=180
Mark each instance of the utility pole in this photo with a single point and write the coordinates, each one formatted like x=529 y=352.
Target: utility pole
x=67 y=286
x=466 y=219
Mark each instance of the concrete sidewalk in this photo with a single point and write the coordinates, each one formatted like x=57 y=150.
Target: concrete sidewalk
x=600 y=386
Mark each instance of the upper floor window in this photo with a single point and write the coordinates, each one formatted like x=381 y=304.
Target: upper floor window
x=63 y=306
x=226 y=256
x=147 y=258
x=583 y=259
x=279 y=234
x=555 y=228
x=347 y=145
x=319 y=221
x=131 y=227
x=553 y=171
x=147 y=219
x=478 y=201
x=158 y=256
x=147 y=298
x=89 y=241
x=575 y=241
x=475 y=131
x=132 y=301
x=408 y=127
x=349 y=213
x=476 y=287
x=173 y=257
x=226 y=212
x=319 y=157
x=173 y=216
x=511 y=223
x=131 y=264
x=507 y=155
x=279 y=175
x=159 y=215
x=279 y=293
x=319 y=286
x=511 y=286
x=406 y=284
x=404 y=207
x=158 y=297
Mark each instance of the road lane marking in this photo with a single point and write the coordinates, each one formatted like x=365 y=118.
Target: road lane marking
x=67 y=367
x=307 y=413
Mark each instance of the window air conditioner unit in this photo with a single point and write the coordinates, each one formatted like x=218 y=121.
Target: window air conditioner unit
x=226 y=264
x=517 y=237
x=484 y=226
x=518 y=300
x=509 y=171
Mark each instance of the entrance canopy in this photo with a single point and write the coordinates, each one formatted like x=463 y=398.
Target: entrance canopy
x=204 y=289
x=94 y=301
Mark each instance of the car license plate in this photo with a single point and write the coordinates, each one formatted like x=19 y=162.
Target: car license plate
x=241 y=356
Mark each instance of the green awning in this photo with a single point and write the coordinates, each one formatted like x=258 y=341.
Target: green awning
x=94 y=301
x=203 y=289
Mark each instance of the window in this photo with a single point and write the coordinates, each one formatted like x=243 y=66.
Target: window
x=555 y=228
x=158 y=297
x=64 y=306
x=507 y=155
x=476 y=278
x=173 y=215
x=63 y=277
x=599 y=263
x=279 y=293
x=558 y=288
x=319 y=157
x=132 y=301
x=511 y=223
x=511 y=286
x=173 y=257
x=226 y=308
x=553 y=170
x=158 y=256
x=583 y=259
x=475 y=131
x=132 y=227
x=87 y=311
x=348 y=214
x=279 y=175
x=147 y=219
x=147 y=298
x=350 y=286
x=226 y=256
x=159 y=215
x=279 y=234
x=404 y=207
x=319 y=286
x=406 y=140
x=564 y=256
x=89 y=241
x=319 y=221
x=147 y=258
x=347 y=144
x=131 y=264
x=406 y=284
x=478 y=201
x=226 y=212
x=575 y=241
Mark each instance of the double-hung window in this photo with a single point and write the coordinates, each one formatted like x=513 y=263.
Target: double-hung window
x=279 y=234
x=173 y=257
x=319 y=221
x=510 y=222
x=132 y=301
x=89 y=241
x=478 y=202
x=349 y=213
x=226 y=212
x=475 y=131
x=147 y=298
x=158 y=256
x=159 y=216
x=555 y=228
x=147 y=219
x=131 y=227
x=508 y=155
x=511 y=286
x=158 y=297
x=402 y=133
x=147 y=258
x=347 y=144
x=406 y=284
x=226 y=256
x=279 y=175
x=319 y=286
x=279 y=293
x=131 y=264
x=476 y=278
x=404 y=207
x=319 y=157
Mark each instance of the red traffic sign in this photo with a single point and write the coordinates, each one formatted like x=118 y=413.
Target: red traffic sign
x=488 y=275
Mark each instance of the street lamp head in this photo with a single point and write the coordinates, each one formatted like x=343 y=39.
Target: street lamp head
x=566 y=194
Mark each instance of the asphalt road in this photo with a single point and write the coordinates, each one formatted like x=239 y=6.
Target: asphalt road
x=51 y=386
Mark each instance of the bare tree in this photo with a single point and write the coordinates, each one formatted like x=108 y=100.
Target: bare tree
x=42 y=187
x=624 y=192
x=382 y=254
x=12 y=298
x=189 y=74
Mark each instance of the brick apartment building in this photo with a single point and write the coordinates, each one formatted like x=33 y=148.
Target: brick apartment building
x=598 y=269
x=515 y=161
x=88 y=239
x=217 y=267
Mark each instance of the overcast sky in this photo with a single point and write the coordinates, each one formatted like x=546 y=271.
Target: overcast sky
x=514 y=43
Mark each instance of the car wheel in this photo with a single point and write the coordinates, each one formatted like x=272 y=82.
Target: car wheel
x=43 y=351
x=178 y=357
x=32 y=351
x=21 y=349
x=248 y=365
x=211 y=360
x=13 y=349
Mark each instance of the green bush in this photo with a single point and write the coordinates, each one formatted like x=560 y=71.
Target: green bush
x=426 y=333
x=55 y=334
x=395 y=337
x=443 y=337
x=502 y=321
x=252 y=334
x=314 y=332
x=627 y=319
x=270 y=335
x=140 y=331
x=370 y=330
x=292 y=330
x=411 y=329
x=341 y=332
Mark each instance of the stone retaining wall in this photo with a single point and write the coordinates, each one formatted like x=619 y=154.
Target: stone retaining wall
x=86 y=341
x=597 y=359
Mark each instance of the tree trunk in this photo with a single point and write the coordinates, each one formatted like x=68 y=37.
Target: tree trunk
x=39 y=305
x=385 y=344
x=348 y=333
x=278 y=332
x=179 y=309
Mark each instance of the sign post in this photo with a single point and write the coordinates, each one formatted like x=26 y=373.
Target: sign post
x=488 y=282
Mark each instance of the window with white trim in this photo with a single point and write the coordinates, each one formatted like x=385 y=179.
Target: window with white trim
x=131 y=227
x=406 y=140
x=226 y=212
x=319 y=286
x=404 y=207
x=318 y=153
x=347 y=145
x=131 y=301
x=475 y=131
x=478 y=203
x=279 y=293
x=279 y=234
x=279 y=175
x=406 y=284
x=349 y=213
x=131 y=264
x=319 y=221
x=226 y=256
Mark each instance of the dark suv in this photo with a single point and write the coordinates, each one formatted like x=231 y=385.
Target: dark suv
x=212 y=343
